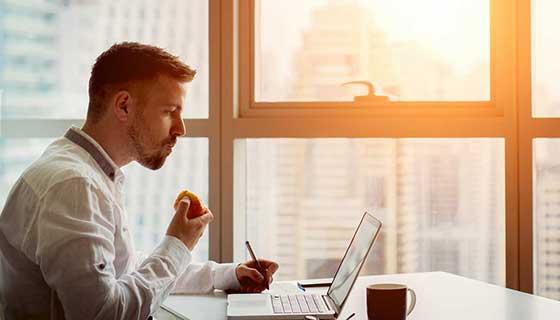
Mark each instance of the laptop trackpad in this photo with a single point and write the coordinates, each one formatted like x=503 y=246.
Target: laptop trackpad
x=249 y=304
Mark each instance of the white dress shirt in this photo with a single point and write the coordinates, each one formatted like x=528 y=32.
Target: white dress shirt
x=66 y=251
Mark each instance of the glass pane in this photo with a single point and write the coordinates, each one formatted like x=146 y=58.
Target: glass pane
x=545 y=52
x=546 y=208
x=410 y=50
x=441 y=201
x=48 y=48
x=150 y=194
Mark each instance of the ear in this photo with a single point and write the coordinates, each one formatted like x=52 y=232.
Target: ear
x=122 y=103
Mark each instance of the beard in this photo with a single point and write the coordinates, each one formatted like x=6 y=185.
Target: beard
x=140 y=140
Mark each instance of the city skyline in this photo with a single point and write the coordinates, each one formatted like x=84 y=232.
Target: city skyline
x=300 y=191
x=366 y=39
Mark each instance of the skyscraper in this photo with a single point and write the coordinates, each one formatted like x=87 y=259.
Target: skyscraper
x=28 y=57
x=28 y=77
x=547 y=217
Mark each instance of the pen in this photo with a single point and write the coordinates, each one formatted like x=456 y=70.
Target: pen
x=351 y=316
x=259 y=267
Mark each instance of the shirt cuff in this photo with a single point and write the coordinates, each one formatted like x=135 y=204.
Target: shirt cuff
x=225 y=277
x=176 y=251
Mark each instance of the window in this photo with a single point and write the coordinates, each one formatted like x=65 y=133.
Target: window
x=441 y=201
x=399 y=46
x=547 y=217
x=434 y=153
x=47 y=62
x=539 y=108
x=371 y=58
x=545 y=70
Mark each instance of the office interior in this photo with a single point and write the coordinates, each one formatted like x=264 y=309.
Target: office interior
x=441 y=118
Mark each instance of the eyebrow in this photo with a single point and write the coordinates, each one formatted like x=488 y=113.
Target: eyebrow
x=174 y=106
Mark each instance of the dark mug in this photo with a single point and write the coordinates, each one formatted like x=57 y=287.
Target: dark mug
x=387 y=301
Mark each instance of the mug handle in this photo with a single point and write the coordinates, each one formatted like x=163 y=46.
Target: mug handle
x=412 y=301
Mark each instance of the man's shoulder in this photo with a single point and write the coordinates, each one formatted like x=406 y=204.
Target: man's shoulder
x=62 y=161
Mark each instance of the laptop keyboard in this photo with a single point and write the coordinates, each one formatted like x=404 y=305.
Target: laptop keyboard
x=298 y=303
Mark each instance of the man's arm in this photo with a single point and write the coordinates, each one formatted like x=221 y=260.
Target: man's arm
x=76 y=253
x=201 y=278
x=205 y=277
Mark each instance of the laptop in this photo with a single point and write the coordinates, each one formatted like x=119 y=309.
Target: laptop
x=298 y=306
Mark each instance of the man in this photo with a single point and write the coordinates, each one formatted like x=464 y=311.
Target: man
x=65 y=247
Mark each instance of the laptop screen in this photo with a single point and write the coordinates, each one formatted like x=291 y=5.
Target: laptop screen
x=354 y=258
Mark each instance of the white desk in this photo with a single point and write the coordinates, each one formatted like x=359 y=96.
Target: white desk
x=440 y=295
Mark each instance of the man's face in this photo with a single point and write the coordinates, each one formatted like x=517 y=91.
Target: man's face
x=157 y=121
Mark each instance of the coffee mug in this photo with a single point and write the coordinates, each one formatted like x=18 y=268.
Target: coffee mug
x=387 y=301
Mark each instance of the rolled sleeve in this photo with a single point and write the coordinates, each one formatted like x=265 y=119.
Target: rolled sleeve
x=174 y=250
x=226 y=277
x=201 y=278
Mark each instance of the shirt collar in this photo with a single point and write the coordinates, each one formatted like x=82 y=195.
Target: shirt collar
x=95 y=150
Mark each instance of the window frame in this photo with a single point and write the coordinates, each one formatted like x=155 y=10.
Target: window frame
x=250 y=108
x=530 y=128
x=242 y=117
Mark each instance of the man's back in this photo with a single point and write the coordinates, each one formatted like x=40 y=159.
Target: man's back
x=22 y=280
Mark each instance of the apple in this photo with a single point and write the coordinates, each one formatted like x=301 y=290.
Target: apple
x=196 y=209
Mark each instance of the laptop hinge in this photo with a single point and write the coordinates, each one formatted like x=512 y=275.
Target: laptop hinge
x=330 y=304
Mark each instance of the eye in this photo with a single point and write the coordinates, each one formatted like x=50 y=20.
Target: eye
x=170 y=110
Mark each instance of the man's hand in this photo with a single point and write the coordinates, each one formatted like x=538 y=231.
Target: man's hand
x=251 y=280
x=188 y=230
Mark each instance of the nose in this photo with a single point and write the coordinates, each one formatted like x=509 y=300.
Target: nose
x=178 y=129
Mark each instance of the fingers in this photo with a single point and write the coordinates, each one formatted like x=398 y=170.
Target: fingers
x=198 y=225
x=269 y=274
x=209 y=213
x=269 y=265
x=252 y=281
x=253 y=289
x=250 y=287
x=206 y=218
x=253 y=274
x=183 y=206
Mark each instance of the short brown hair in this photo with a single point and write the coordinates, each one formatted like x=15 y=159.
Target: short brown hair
x=128 y=62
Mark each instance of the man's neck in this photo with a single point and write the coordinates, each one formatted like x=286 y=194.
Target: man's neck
x=110 y=141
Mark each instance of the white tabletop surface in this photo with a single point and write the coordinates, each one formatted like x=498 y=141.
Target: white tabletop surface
x=440 y=295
